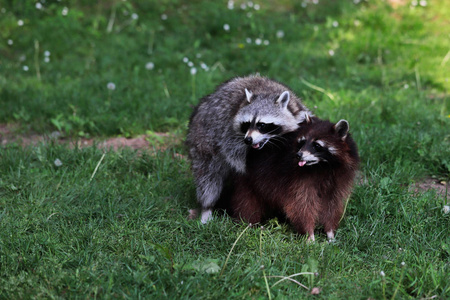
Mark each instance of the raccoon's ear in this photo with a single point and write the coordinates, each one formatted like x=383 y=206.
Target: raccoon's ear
x=342 y=127
x=248 y=95
x=283 y=100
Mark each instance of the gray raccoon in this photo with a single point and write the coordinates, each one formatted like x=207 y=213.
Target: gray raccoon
x=243 y=112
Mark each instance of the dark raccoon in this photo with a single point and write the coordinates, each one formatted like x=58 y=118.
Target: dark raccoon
x=306 y=178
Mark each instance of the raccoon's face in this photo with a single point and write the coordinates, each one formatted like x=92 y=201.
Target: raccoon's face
x=264 y=117
x=257 y=133
x=321 y=142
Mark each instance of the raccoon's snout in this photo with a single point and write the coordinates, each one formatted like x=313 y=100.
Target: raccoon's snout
x=301 y=162
x=248 y=140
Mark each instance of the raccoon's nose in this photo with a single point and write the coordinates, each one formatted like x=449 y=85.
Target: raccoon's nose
x=299 y=155
x=248 y=140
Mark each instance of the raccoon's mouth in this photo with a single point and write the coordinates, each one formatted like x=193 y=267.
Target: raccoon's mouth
x=303 y=163
x=259 y=145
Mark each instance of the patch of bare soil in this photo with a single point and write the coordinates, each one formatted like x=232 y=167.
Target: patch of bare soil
x=9 y=135
x=427 y=184
x=397 y=3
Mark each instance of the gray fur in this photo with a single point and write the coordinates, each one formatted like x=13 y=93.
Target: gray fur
x=215 y=141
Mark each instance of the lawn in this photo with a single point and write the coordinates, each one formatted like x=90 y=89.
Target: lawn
x=89 y=223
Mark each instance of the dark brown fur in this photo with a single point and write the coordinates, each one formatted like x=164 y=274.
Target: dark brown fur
x=275 y=184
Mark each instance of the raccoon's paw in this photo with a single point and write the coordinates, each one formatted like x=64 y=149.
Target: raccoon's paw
x=206 y=216
x=311 y=239
x=330 y=236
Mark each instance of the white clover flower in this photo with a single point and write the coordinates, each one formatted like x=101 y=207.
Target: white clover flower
x=58 y=162
x=134 y=16
x=382 y=274
x=315 y=1
x=331 y=52
x=258 y=41
x=20 y=23
x=203 y=66
x=65 y=11
x=250 y=4
x=414 y=3
x=39 y=5
x=47 y=59
x=10 y=42
x=185 y=59
x=335 y=23
x=243 y=6
x=357 y=23
x=150 y=65
x=406 y=86
x=25 y=68
x=266 y=42
x=256 y=6
x=47 y=53
x=230 y=4
x=402 y=263
x=280 y=34
x=190 y=64
x=423 y=3
x=356 y=1
x=163 y=17
x=193 y=71
x=446 y=209
x=111 y=86
x=248 y=40
x=226 y=27
x=304 y=4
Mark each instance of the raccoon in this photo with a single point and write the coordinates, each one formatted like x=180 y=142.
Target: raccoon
x=306 y=178
x=243 y=113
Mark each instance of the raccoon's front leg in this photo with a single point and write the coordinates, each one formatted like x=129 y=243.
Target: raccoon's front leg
x=302 y=217
x=330 y=217
x=208 y=193
x=210 y=179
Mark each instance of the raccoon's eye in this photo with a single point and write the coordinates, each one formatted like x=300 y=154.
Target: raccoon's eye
x=260 y=126
x=268 y=128
x=245 y=126
x=317 y=147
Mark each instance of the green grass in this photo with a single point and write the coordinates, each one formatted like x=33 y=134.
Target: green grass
x=114 y=225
